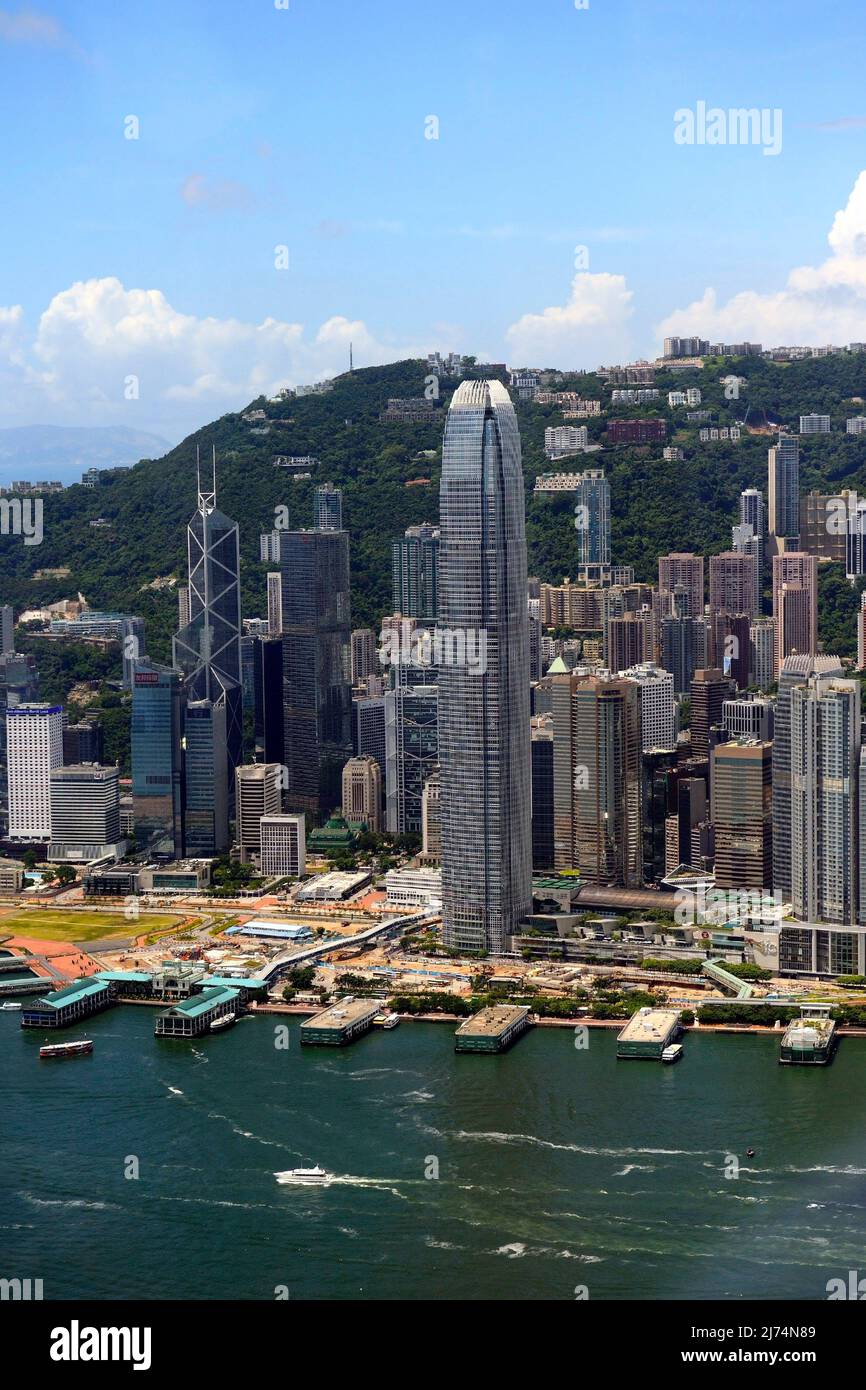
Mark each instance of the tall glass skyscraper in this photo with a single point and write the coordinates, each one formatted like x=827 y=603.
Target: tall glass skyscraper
x=158 y=700
x=208 y=649
x=415 y=573
x=592 y=519
x=484 y=730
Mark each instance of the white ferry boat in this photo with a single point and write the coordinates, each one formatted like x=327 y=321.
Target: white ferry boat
x=66 y=1049
x=225 y=1021
x=673 y=1053
x=10 y=1005
x=386 y=1020
x=304 y=1177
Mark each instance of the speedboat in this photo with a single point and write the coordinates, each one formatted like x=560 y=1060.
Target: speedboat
x=304 y=1177
x=9 y=1005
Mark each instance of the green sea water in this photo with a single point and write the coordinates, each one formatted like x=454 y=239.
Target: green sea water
x=561 y=1172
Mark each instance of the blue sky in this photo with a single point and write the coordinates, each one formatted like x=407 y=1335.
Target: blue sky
x=304 y=127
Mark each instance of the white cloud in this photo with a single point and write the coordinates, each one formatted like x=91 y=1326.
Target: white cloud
x=29 y=26
x=214 y=195
x=818 y=304
x=591 y=329
x=95 y=335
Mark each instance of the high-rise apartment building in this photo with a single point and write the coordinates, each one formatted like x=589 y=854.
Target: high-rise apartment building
x=34 y=735
x=683 y=649
x=484 y=742
x=328 y=508
x=795 y=604
x=762 y=653
x=7 y=629
x=684 y=570
x=796 y=670
x=733 y=583
x=592 y=521
x=825 y=762
x=364 y=658
x=415 y=573
x=629 y=640
x=783 y=489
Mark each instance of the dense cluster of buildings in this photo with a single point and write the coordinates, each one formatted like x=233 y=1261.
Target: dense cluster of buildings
x=639 y=736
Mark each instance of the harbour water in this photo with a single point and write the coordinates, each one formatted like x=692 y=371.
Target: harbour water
x=559 y=1170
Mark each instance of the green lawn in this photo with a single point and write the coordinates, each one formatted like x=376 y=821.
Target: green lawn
x=82 y=926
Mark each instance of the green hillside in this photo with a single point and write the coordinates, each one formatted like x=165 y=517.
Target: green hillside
x=657 y=506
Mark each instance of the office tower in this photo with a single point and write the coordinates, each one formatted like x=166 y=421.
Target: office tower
x=542 y=792
x=328 y=508
x=751 y=718
x=733 y=583
x=83 y=743
x=205 y=778
x=743 y=814
x=362 y=791
x=692 y=817
x=709 y=689
x=795 y=604
x=855 y=541
x=484 y=742
x=730 y=646
x=658 y=708
x=365 y=661
x=368 y=714
x=684 y=570
x=656 y=765
x=158 y=702
x=257 y=794
x=861 y=633
x=629 y=640
x=825 y=761
x=248 y=669
x=431 y=819
x=415 y=573
x=283 y=845
x=275 y=603
x=783 y=491
x=536 y=667
x=34 y=736
x=7 y=629
x=208 y=649
x=316 y=690
x=592 y=522
x=268 y=699
x=19 y=685
x=269 y=547
x=182 y=605
x=85 y=813
x=597 y=779
x=796 y=670
x=762 y=653
x=683 y=649
x=412 y=715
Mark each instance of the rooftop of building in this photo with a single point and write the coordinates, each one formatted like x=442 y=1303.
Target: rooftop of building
x=203 y=1002
x=344 y=1012
x=649 y=1025
x=492 y=1021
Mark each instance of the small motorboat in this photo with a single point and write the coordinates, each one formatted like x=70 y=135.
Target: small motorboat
x=750 y=1153
x=9 y=1004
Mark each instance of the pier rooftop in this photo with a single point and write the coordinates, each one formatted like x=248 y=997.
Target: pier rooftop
x=648 y=1033
x=492 y=1029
